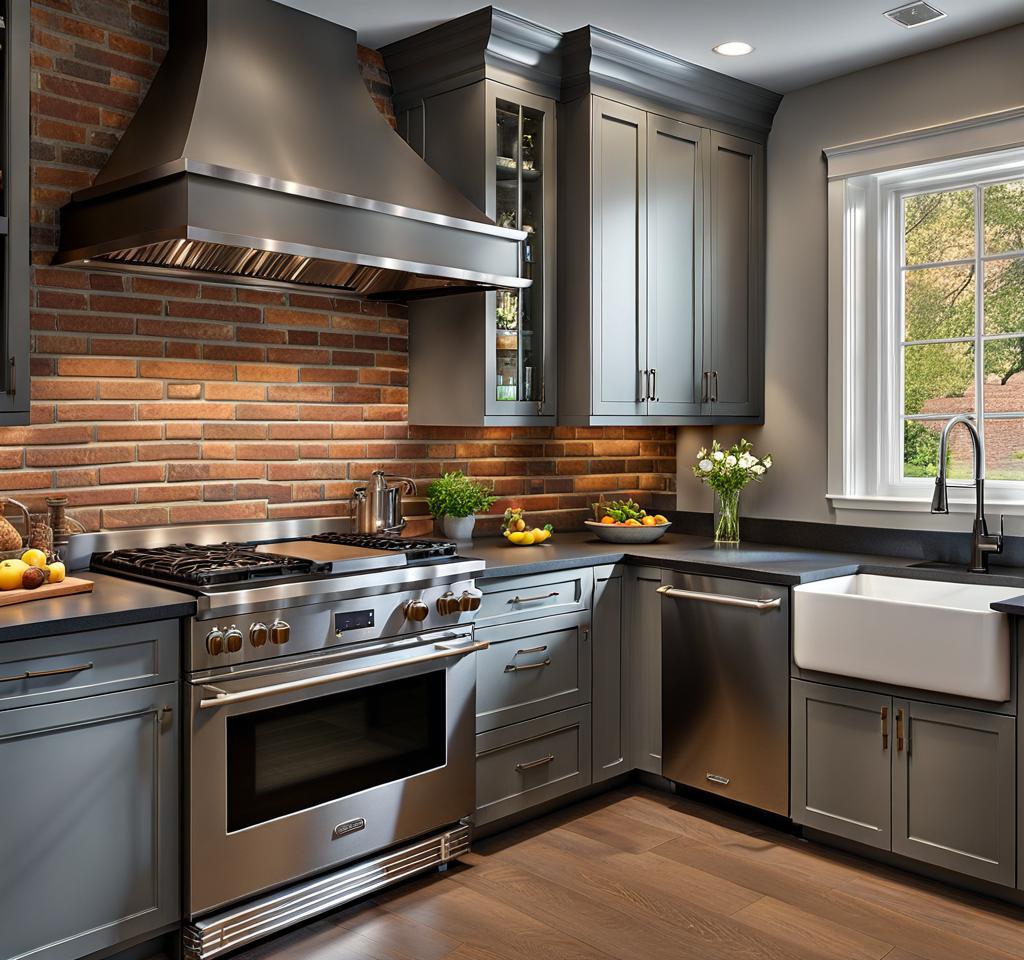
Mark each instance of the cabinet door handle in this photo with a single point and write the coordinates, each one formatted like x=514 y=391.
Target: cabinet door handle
x=643 y=385
x=718 y=778
x=900 y=739
x=884 y=713
x=533 y=764
x=537 y=599
x=704 y=387
x=654 y=386
x=722 y=599
x=35 y=674
x=714 y=386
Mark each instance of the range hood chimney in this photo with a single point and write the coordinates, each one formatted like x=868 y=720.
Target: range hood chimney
x=259 y=157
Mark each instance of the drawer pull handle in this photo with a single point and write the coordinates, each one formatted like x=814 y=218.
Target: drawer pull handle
x=539 y=649
x=884 y=713
x=533 y=764
x=537 y=599
x=35 y=674
x=518 y=667
x=718 y=778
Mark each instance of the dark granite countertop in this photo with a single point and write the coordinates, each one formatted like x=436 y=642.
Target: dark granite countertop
x=112 y=603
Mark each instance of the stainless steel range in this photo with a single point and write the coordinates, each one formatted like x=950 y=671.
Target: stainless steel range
x=330 y=693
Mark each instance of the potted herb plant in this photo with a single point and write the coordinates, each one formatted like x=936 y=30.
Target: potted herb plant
x=455 y=500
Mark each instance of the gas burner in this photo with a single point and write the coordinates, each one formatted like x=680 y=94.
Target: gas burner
x=205 y=565
x=414 y=550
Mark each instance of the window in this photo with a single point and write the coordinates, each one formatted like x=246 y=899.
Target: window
x=926 y=322
x=961 y=324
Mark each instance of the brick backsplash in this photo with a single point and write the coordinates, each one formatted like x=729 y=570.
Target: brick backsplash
x=174 y=401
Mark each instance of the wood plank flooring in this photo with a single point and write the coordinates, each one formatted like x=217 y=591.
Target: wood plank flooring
x=636 y=874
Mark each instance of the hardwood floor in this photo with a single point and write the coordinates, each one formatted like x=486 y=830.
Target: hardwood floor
x=640 y=874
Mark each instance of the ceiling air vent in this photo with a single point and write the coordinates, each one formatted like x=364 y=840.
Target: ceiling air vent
x=912 y=15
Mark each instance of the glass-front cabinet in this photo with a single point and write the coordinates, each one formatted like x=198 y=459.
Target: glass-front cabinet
x=488 y=359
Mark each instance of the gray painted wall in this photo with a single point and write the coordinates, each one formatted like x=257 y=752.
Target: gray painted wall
x=965 y=79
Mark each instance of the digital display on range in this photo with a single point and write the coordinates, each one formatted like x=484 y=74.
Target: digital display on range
x=358 y=620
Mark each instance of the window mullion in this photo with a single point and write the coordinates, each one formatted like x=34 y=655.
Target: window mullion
x=979 y=313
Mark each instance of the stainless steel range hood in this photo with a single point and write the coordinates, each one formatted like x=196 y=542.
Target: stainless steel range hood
x=259 y=157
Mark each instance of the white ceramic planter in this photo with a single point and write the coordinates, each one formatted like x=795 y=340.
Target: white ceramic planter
x=459 y=528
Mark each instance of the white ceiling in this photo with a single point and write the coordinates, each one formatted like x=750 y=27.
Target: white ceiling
x=797 y=42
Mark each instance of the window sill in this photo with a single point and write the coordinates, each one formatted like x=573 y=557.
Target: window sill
x=921 y=505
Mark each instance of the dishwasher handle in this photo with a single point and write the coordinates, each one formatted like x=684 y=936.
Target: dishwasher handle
x=722 y=599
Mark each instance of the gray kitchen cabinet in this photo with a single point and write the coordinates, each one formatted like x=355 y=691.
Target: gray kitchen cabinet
x=485 y=359
x=89 y=847
x=930 y=782
x=643 y=632
x=841 y=768
x=532 y=668
x=734 y=278
x=610 y=720
x=515 y=599
x=953 y=791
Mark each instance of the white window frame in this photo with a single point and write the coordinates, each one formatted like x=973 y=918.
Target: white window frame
x=866 y=334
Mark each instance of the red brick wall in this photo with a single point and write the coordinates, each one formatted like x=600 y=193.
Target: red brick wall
x=159 y=400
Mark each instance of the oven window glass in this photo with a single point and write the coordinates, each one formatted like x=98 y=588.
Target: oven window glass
x=290 y=758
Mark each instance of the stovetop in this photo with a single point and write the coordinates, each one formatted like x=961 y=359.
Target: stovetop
x=246 y=565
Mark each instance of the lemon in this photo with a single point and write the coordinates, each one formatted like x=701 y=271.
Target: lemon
x=57 y=572
x=520 y=525
x=516 y=537
x=34 y=558
x=543 y=535
x=528 y=538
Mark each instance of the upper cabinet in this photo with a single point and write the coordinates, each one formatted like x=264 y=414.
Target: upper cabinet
x=485 y=359
x=661 y=205
x=660 y=228
x=14 y=212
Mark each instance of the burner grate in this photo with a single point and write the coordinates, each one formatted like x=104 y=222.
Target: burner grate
x=206 y=565
x=414 y=550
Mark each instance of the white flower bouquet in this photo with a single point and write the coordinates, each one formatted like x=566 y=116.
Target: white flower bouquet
x=727 y=472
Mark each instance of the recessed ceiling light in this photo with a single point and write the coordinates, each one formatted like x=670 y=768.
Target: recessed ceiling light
x=912 y=15
x=733 y=48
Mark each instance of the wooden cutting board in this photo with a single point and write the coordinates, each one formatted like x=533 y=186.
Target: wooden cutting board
x=65 y=588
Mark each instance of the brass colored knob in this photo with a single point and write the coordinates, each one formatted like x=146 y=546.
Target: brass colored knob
x=233 y=639
x=259 y=634
x=280 y=632
x=416 y=611
x=447 y=604
x=215 y=642
x=470 y=601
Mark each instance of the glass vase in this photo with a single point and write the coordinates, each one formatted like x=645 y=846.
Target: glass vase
x=727 y=520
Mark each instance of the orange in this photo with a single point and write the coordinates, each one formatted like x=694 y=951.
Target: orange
x=607 y=519
x=648 y=521
x=633 y=523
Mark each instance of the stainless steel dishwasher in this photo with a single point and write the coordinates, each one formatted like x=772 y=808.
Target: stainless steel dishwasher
x=725 y=688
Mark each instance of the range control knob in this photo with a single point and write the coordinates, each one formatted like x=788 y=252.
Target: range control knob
x=280 y=632
x=259 y=634
x=447 y=604
x=416 y=610
x=233 y=639
x=470 y=600
x=215 y=642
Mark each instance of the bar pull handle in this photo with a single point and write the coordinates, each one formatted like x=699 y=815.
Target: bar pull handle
x=36 y=674
x=643 y=385
x=653 y=395
x=722 y=599
x=537 y=599
x=704 y=387
x=900 y=738
x=533 y=764
x=714 y=386
x=718 y=778
x=539 y=649
x=520 y=667
x=884 y=713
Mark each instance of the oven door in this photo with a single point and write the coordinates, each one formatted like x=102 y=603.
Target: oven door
x=325 y=760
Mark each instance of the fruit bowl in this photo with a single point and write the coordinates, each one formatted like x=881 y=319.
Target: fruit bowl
x=619 y=533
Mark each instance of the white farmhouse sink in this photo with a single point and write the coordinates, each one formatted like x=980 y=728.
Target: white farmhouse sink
x=925 y=634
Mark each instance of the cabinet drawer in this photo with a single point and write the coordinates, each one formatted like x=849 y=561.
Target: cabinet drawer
x=528 y=763
x=531 y=669
x=540 y=595
x=85 y=664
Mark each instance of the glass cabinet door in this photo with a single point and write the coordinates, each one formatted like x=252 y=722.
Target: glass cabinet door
x=519 y=317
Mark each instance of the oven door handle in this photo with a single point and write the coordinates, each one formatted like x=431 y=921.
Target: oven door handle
x=442 y=651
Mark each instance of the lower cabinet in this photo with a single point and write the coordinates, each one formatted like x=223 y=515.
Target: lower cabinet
x=932 y=783
x=610 y=714
x=642 y=627
x=524 y=764
x=89 y=847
